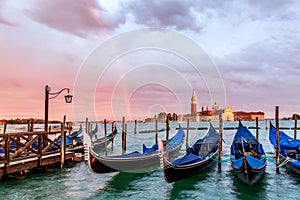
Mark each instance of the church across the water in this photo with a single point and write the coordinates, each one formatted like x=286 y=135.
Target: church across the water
x=206 y=114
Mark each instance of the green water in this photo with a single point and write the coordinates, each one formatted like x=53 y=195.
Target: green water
x=77 y=182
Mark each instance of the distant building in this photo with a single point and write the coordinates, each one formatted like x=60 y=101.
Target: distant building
x=213 y=114
x=206 y=114
x=193 y=104
x=228 y=115
x=247 y=116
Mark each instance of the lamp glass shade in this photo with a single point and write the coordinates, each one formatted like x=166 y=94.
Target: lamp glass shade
x=68 y=98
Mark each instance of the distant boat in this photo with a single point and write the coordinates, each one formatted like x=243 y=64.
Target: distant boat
x=152 y=131
x=248 y=158
x=99 y=144
x=289 y=150
x=95 y=130
x=134 y=161
x=75 y=133
x=198 y=158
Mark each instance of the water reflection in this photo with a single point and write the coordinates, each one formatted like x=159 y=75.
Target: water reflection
x=256 y=191
x=183 y=189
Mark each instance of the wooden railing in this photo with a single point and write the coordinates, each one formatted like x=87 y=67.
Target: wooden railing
x=25 y=145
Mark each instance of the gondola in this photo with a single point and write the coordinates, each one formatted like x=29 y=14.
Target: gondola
x=95 y=130
x=198 y=158
x=99 y=144
x=134 y=161
x=289 y=150
x=75 y=133
x=248 y=158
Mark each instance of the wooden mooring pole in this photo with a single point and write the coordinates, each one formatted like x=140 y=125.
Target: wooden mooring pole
x=156 y=130
x=112 y=134
x=7 y=153
x=4 y=127
x=86 y=124
x=105 y=133
x=167 y=136
x=295 y=127
x=220 y=142
x=256 y=120
x=277 y=138
x=63 y=144
x=123 y=136
x=135 y=126
x=187 y=134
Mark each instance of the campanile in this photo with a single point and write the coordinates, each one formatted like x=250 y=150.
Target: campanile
x=193 y=104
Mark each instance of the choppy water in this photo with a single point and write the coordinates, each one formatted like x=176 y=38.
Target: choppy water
x=77 y=182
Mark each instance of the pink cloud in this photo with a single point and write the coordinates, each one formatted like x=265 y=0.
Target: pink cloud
x=4 y=20
x=82 y=18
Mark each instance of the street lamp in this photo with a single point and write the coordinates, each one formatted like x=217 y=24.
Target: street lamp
x=68 y=99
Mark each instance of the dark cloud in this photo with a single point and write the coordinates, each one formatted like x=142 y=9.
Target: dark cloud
x=195 y=15
x=264 y=73
x=176 y=13
x=81 y=17
x=87 y=17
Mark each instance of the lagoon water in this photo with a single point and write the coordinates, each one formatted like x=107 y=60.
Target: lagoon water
x=77 y=182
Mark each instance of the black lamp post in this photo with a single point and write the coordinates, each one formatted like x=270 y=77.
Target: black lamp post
x=68 y=99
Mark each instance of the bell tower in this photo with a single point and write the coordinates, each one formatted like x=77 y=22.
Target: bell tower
x=193 y=103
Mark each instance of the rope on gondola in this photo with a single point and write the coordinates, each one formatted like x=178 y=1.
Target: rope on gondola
x=286 y=161
x=269 y=159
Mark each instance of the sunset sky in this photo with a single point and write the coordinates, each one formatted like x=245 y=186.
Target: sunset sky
x=255 y=46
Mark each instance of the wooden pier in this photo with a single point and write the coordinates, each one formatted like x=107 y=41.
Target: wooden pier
x=29 y=150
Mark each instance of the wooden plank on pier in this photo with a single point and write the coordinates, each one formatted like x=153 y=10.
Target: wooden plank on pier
x=30 y=163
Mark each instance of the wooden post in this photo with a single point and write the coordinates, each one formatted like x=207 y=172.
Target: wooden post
x=29 y=129
x=277 y=138
x=40 y=149
x=113 y=135
x=123 y=135
x=220 y=142
x=135 y=126
x=32 y=125
x=18 y=142
x=63 y=144
x=87 y=126
x=4 y=127
x=187 y=134
x=105 y=132
x=91 y=129
x=156 y=130
x=295 y=127
x=167 y=136
x=266 y=124
x=28 y=126
x=7 y=151
x=256 y=120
